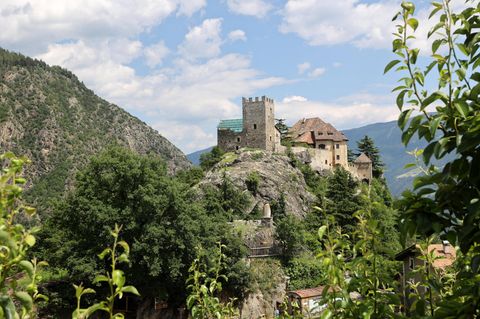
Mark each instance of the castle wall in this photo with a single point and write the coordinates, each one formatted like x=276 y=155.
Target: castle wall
x=259 y=123
x=319 y=159
x=229 y=140
x=362 y=171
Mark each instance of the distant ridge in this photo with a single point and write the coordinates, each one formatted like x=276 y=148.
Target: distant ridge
x=47 y=114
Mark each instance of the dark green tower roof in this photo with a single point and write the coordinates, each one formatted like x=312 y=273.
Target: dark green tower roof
x=235 y=125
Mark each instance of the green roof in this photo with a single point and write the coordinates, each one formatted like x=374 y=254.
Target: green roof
x=235 y=125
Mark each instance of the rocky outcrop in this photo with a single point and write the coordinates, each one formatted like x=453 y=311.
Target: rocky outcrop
x=276 y=177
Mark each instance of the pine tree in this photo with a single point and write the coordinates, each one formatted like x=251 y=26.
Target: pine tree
x=367 y=146
x=342 y=199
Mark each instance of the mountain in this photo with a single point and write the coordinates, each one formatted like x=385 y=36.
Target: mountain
x=47 y=114
x=195 y=156
x=387 y=137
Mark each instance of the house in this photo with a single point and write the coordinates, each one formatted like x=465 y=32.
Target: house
x=317 y=134
x=308 y=300
x=411 y=257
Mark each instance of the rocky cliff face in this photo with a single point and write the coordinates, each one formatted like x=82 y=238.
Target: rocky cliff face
x=276 y=177
x=47 y=114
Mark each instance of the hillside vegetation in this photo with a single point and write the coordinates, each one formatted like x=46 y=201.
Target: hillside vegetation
x=47 y=114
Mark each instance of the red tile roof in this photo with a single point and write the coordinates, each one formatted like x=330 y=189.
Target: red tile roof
x=307 y=293
x=320 y=130
x=363 y=159
x=445 y=252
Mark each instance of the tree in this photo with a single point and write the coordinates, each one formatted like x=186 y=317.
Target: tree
x=341 y=198
x=444 y=201
x=281 y=127
x=367 y=146
x=209 y=159
x=158 y=216
x=289 y=233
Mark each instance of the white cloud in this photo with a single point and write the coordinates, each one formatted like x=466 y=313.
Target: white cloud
x=317 y=72
x=195 y=136
x=237 y=35
x=189 y=7
x=257 y=8
x=294 y=98
x=30 y=26
x=202 y=41
x=155 y=54
x=365 y=25
x=342 y=114
x=330 y=22
x=303 y=67
x=187 y=92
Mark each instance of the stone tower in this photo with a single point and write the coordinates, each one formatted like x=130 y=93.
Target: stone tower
x=259 y=123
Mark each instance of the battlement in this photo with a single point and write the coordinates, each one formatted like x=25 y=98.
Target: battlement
x=256 y=99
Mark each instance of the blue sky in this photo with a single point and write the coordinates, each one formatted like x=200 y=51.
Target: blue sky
x=182 y=65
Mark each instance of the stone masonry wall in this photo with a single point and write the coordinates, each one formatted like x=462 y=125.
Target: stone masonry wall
x=259 y=123
x=229 y=140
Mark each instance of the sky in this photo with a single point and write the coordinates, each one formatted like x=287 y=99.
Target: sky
x=182 y=65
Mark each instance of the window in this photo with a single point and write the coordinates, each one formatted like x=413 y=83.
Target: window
x=321 y=146
x=411 y=263
x=270 y=138
x=326 y=162
x=236 y=147
x=337 y=146
x=254 y=126
x=338 y=157
x=320 y=133
x=329 y=133
x=238 y=139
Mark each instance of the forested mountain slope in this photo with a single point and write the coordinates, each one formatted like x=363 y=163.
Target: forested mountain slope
x=47 y=114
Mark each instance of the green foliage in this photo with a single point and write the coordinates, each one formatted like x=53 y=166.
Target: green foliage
x=266 y=275
x=281 y=126
x=314 y=181
x=18 y=275
x=279 y=208
x=190 y=176
x=290 y=236
x=305 y=271
x=252 y=182
x=356 y=283
x=115 y=280
x=209 y=159
x=444 y=202
x=341 y=198
x=205 y=286
x=367 y=146
x=158 y=216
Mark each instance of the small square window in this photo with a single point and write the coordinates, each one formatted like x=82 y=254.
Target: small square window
x=338 y=157
x=254 y=126
x=238 y=139
x=236 y=147
x=326 y=162
x=337 y=146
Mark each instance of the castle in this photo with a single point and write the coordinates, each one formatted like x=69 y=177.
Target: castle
x=313 y=141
